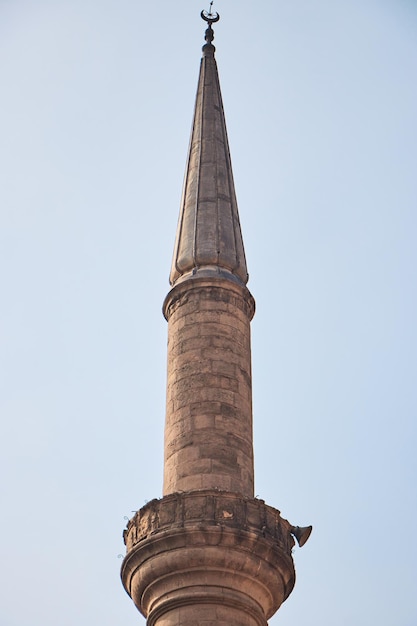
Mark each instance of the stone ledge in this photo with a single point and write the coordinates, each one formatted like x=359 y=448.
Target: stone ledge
x=211 y=508
x=215 y=289
x=205 y=547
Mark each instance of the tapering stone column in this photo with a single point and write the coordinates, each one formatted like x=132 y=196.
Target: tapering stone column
x=208 y=553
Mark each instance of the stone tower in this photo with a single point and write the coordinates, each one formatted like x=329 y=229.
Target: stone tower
x=209 y=553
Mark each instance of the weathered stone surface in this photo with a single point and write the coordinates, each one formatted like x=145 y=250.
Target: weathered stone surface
x=208 y=430
x=211 y=554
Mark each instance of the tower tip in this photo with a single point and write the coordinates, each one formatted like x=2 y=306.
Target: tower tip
x=210 y=18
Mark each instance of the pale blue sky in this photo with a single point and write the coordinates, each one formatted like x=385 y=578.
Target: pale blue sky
x=95 y=114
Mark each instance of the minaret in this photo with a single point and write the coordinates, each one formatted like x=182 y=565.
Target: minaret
x=208 y=552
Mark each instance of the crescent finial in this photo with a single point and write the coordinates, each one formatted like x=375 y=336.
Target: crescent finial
x=210 y=17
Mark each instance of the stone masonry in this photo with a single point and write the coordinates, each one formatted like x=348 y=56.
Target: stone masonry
x=208 y=553
x=208 y=558
x=208 y=433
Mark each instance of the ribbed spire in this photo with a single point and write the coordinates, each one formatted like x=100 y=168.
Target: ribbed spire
x=209 y=239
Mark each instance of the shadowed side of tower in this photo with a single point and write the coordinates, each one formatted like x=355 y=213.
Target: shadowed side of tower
x=208 y=552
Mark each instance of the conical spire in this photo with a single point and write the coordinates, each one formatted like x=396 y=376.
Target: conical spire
x=209 y=239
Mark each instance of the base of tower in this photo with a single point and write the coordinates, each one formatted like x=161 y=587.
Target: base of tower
x=208 y=556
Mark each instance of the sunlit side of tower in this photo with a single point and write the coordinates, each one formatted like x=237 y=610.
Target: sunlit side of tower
x=208 y=552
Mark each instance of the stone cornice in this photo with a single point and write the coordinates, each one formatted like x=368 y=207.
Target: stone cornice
x=219 y=541
x=212 y=288
x=225 y=509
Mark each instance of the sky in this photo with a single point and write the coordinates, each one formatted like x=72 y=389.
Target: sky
x=95 y=114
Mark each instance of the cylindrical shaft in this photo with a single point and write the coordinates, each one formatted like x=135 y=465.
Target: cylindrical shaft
x=208 y=432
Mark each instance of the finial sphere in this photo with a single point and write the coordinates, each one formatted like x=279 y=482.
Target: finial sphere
x=211 y=18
